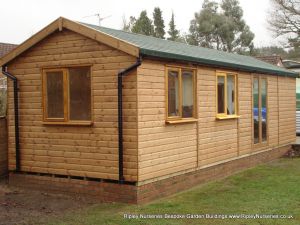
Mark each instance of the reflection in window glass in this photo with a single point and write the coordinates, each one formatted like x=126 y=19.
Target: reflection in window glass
x=230 y=95
x=80 y=93
x=173 y=94
x=55 y=94
x=187 y=94
x=221 y=94
x=264 y=109
x=256 y=110
x=260 y=110
x=298 y=94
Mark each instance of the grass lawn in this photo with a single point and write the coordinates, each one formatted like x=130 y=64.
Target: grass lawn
x=272 y=188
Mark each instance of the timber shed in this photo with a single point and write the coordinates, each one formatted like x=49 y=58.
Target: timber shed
x=130 y=118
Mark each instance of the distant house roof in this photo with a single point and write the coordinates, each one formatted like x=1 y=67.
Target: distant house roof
x=290 y=64
x=6 y=48
x=141 y=45
x=272 y=59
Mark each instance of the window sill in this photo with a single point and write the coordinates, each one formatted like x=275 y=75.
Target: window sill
x=181 y=121
x=227 y=117
x=73 y=123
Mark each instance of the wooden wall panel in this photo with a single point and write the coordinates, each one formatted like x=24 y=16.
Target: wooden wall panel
x=166 y=150
x=245 y=111
x=273 y=111
x=217 y=138
x=287 y=109
x=74 y=150
x=163 y=148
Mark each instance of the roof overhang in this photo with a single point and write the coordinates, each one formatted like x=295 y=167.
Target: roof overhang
x=61 y=23
x=214 y=63
x=129 y=48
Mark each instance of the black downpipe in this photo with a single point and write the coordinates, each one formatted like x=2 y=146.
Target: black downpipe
x=121 y=74
x=16 y=106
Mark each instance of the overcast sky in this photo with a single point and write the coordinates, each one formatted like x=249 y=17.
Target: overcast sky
x=21 y=19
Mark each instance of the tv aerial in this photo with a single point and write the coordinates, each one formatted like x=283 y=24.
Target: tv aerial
x=99 y=17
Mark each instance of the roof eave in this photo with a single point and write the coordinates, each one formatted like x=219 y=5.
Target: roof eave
x=153 y=53
x=30 y=42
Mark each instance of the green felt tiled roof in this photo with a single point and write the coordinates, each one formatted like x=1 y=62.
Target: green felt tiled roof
x=151 y=46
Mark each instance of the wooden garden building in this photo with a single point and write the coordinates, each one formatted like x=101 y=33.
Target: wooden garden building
x=127 y=117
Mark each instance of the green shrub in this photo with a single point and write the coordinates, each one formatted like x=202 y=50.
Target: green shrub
x=3 y=102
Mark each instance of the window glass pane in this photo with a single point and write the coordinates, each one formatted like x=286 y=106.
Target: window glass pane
x=230 y=95
x=173 y=94
x=221 y=94
x=55 y=94
x=264 y=109
x=187 y=94
x=256 y=110
x=80 y=93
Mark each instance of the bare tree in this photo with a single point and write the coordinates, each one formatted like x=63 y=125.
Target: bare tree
x=127 y=25
x=284 y=20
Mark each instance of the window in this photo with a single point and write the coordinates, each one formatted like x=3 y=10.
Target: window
x=259 y=110
x=55 y=94
x=226 y=96
x=180 y=93
x=80 y=94
x=67 y=94
x=173 y=93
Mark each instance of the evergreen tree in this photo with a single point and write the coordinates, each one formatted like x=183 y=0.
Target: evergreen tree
x=159 y=26
x=237 y=35
x=204 y=28
x=3 y=103
x=173 y=32
x=221 y=29
x=143 y=25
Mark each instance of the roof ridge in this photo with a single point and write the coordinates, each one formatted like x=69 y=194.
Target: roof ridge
x=158 y=47
x=128 y=32
x=173 y=42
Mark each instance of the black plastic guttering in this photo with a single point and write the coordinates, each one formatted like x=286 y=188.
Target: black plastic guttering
x=121 y=74
x=16 y=106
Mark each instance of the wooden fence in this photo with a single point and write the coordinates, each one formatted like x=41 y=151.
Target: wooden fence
x=3 y=147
